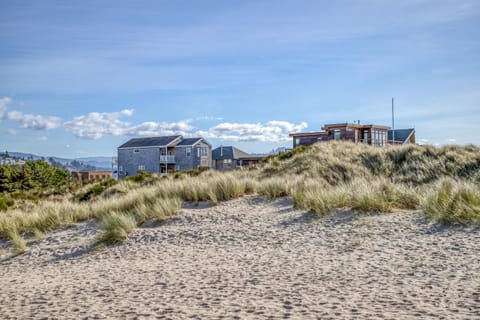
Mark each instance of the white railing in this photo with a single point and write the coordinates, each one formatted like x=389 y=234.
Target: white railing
x=204 y=162
x=167 y=159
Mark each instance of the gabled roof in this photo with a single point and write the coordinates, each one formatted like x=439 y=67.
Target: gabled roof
x=150 y=142
x=192 y=141
x=401 y=135
x=228 y=152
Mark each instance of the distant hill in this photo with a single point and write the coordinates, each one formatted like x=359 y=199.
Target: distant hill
x=99 y=163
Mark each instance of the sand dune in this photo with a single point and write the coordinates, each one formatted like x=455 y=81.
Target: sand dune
x=250 y=259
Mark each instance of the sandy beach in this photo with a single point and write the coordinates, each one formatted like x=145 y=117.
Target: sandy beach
x=251 y=259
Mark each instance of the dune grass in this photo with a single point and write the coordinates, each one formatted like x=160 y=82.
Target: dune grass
x=115 y=227
x=320 y=179
x=454 y=203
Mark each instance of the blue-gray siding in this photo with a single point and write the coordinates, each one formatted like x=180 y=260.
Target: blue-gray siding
x=130 y=160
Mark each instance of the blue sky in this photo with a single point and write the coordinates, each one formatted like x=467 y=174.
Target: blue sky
x=78 y=78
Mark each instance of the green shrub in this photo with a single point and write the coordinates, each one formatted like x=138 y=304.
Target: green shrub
x=22 y=195
x=5 y=203
x=141 y=176
x=96 y=189
x=291 y=153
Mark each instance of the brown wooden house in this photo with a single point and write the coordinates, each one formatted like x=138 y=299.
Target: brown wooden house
x=85 y=176
x=372 y=134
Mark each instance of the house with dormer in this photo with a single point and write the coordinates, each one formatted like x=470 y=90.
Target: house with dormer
x=162 y=155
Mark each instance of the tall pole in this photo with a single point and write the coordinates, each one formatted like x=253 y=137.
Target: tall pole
x=393 y=123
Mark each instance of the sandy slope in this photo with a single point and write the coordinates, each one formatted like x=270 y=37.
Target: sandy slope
x=252 y=259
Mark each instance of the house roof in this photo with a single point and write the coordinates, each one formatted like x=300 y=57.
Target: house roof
x=354 y=125
x=228 y=152
x=150 y=142
x=401 y=135
x=306 y=134
x=191 y=141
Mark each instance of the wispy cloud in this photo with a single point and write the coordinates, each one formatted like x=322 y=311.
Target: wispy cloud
x=4 y=102
x=160 y=128
x=271 y=131
x=27 y=121
x=95 y=125
x=98 y=124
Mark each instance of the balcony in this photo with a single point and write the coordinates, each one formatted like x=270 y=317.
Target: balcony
x=167 y=159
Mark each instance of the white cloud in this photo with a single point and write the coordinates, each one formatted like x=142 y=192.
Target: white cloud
x=42 y=138
x=271 y=131
x=32 y=121
x=27 y=121
x=98 y=124
x=4 y=102
x=160 y=129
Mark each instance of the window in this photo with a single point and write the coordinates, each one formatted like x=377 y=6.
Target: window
x=365 y=136
x=177 y=167
x=297 y=141
x=202 y=151
x=120 y=169
x=141 y=167
x=227 y=161
x=336 y=134
x=136 y=150
x=188 y=151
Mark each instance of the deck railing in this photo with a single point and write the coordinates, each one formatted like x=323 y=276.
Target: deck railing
x=167 y=159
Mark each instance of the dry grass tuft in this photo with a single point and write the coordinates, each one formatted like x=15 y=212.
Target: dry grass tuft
x=454 y=203
x=115 y=227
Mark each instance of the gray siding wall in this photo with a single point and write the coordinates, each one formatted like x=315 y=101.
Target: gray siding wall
x=129 y=161
x=222 y=166
x=197 y=160
x=182 y=161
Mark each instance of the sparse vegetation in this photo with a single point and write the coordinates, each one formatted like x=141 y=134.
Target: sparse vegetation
x=321 y=178
x=115 y=227
x=454 y=203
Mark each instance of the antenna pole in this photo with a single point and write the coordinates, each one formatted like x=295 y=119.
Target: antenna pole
x=393 y=123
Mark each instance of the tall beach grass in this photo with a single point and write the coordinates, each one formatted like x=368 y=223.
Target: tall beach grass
x=321 y=178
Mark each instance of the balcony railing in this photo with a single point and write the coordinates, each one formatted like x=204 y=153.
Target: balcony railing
x=167 y=159
x=204 y=162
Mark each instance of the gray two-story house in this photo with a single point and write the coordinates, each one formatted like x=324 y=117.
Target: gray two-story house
x=162 y=155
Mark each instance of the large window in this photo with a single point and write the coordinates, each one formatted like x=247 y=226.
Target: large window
x=188 y=151
x=202 y=151
x=379 y=138
x=365 y=136
x=337 y=134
